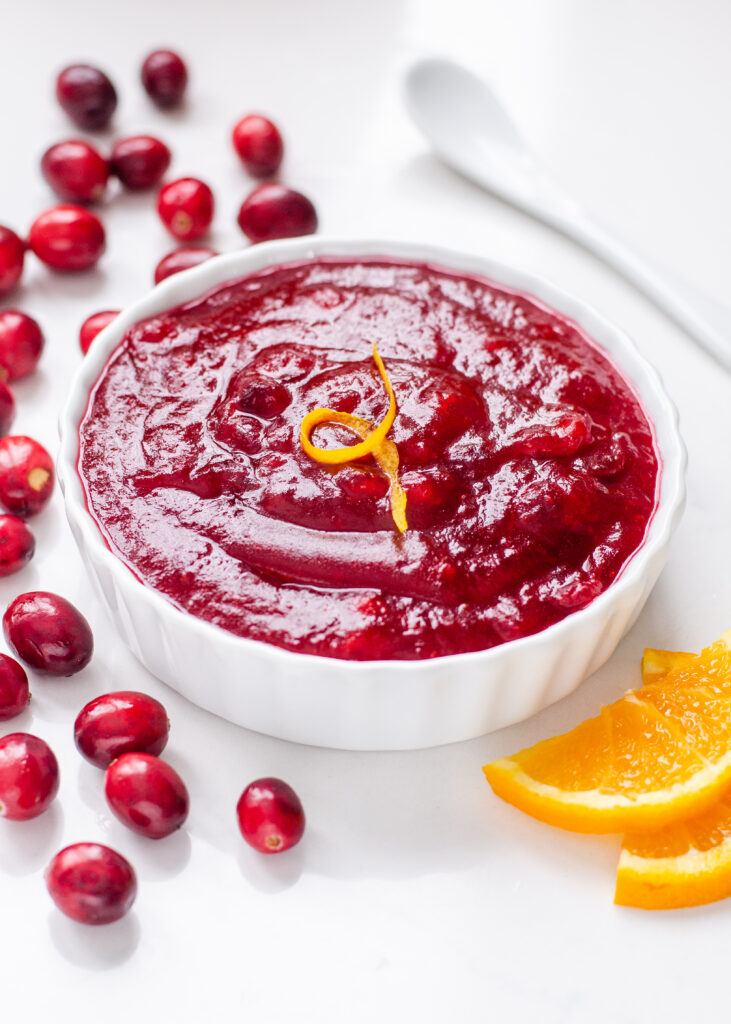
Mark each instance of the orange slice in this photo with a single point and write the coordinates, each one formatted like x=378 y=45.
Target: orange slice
x=656 y=664
x=660 y=754
x=683 y=865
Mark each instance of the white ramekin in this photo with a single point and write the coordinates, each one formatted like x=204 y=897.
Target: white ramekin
x=382 y=705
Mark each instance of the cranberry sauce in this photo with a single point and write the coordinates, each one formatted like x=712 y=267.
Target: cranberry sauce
x=529 y=465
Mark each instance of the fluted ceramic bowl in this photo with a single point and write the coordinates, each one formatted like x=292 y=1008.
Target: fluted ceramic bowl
x=377 y=705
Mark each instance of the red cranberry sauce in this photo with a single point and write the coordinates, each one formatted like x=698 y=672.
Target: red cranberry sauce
x=529 y=465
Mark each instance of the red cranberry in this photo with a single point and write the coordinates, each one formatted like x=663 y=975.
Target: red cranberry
x=271 y=817
x=21 y=343
x=259 y=145
x=48 y=633
x=182 y=259
x=87 y=96
x=263 y=397
x=146 y=794
x=139 y=162
x=93 y=325
x=26 y=475
x=75 y=171
x=12 y=254
x=186 y=208
x=28 y=776
x=17 y=545
x=563 y=434
x=273 y=211
x=164 y=76
x=362 y=484
x=14 y=692
x=611 y=461
x=67 y=238
x=118 y=723
x=91 y=883
x=7 y=407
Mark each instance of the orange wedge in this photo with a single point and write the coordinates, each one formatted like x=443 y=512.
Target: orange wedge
x=660 y=754
x=680 y=866
x=656 y=664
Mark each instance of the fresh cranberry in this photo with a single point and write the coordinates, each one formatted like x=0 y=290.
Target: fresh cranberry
x=48 y=633
x=28 y=776
x=139 y=162
x=67 y=238
x=184 y=258
x=26 y=475
x=118 y=723
x=21 y=343
x=259 y=145
x=14 y=692
x=164 y=76
x=146 y=794
x=12 y=254
x=271 y=817
x=91 y=883
x=75 y=171
x=185 y=207
x=87 y=96
x=7 y=407
x=273 y=211
x=94 y=325
x=17 y=545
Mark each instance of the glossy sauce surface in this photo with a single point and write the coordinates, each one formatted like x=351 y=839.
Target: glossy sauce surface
x=528 y=462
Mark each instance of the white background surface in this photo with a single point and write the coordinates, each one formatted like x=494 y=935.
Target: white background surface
x=415 y=895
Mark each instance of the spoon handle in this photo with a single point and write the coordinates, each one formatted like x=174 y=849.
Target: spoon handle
x=708 y=322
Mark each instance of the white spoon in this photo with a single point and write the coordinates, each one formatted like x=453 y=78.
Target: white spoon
x=469 y=129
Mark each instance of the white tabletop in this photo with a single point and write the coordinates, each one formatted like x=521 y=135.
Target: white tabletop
x=415 y=895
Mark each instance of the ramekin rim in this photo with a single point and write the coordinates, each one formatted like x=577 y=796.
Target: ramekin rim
x=189 y=284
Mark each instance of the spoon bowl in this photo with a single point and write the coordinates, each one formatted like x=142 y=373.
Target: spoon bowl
x=470 y=130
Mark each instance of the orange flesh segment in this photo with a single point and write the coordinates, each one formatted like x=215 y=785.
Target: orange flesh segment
x=654 y=757
x=375 y=443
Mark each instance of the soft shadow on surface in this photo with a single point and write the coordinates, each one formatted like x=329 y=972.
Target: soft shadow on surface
x=155 y=860
x=27 y=846
x=401 y=814
x=272 y=873
x=90 y=787
x=428 y=174
x=384 y=815
x=98 y=947
x=59 y=699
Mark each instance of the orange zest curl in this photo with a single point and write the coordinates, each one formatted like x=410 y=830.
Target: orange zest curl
x=374 y=442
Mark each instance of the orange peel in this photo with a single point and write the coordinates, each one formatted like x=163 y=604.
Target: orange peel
x=656 y=664
x=374 y=442
x=375 y=435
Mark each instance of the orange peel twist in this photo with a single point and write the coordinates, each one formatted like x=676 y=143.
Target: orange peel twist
x=374 y=442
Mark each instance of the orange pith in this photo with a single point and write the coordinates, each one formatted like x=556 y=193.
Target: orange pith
x=656 y=756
